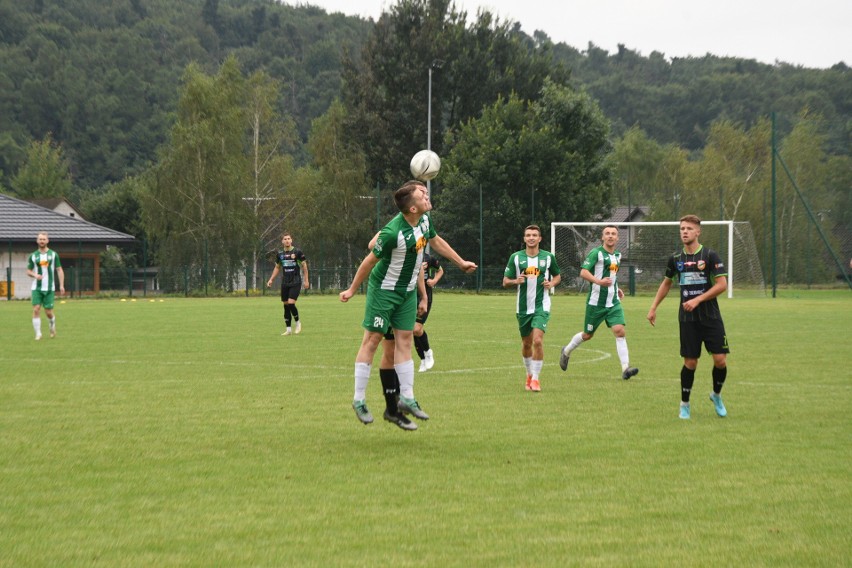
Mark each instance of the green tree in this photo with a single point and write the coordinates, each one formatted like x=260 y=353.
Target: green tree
x=194 y=207
x=534 y=162
x=334 y=207
x=117 y=206
x=643 y=169
x=271 y=138
x=803 y=257
x=386 y=95
x=44 y=172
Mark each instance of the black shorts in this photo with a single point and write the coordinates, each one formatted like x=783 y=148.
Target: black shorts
x=710 y=332
x=290 y=291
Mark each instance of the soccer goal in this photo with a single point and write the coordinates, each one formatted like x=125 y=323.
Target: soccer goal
x=646 y=246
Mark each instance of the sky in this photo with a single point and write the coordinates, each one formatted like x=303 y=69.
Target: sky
x=812 y=33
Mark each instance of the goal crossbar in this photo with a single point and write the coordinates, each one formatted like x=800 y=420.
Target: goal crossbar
x=728 y=224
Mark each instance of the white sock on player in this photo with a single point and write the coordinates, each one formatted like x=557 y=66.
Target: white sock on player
x=362 y=377
x=623 y=356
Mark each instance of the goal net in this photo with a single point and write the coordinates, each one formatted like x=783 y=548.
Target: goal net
x=646 y=246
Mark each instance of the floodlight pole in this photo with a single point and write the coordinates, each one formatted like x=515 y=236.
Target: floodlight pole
x=436 y=64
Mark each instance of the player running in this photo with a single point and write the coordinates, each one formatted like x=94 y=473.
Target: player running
x=603 y=303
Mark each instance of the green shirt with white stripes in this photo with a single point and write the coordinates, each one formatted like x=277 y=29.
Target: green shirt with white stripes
x=603 y=264
x=532 y=296
x=44 y=264
x=400 y=251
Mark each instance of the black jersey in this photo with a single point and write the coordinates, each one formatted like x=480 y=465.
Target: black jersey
x=432 y=266
x=696 y=273
x=290 y=262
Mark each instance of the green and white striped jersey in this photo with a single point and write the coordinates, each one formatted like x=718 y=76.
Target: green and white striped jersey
x=44 y=263
x=400 y=251
x=532 y=297
x=603 y=264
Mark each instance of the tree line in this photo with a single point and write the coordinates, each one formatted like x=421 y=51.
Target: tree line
x=206 y=126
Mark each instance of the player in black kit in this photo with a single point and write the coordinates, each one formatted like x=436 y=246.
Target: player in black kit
x=432 y=273
x=702 y=276
x=292 y=264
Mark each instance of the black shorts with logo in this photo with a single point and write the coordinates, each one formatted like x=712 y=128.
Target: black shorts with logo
x=290 y=291
x=710 y=332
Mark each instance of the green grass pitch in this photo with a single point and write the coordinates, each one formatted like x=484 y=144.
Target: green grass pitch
x=190 y=432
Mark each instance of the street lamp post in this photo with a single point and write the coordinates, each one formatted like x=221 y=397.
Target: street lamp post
x=436 y=64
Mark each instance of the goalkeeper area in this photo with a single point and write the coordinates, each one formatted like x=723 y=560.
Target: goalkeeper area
x=645 y=249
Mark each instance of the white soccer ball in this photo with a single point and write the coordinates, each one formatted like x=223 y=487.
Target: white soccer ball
x=425 y=165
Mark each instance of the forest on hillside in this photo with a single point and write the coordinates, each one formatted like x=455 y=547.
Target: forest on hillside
x=113 y=104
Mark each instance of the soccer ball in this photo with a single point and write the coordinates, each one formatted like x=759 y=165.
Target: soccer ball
x=425 y=165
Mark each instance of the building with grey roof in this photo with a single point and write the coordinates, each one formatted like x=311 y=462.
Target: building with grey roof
x=78 y=242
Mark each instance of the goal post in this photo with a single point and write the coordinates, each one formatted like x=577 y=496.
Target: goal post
x=646 y=246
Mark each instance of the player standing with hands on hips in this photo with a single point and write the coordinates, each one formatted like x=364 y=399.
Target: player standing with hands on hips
x=534 y=272
x=292 y=262
x=702 y=277
x=603 y=304
x=41 y=267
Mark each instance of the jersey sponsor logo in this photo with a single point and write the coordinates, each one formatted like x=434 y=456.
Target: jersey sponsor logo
x=379 y=244
x=421 y=243
x=613 y=268
x=531 y=271
x=692 y=278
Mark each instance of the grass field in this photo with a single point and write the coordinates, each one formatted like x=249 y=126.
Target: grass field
x=189 y=432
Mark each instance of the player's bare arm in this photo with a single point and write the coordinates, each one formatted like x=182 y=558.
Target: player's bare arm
x=509 y=282
x=274 y=274
x=662 y=292
x=553 y=282
x=360 y=276
x=61 y=274
x=438 y=275
x=589 y=277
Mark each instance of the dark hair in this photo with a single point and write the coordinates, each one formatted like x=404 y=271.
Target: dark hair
x=694 y=219
x=286 y=234
x=533 y=228
x=402 y=196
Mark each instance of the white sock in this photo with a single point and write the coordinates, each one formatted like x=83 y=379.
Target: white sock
x=621 y=347
x=405 y=372
x=37 y=325
x=535 y=368
x=528 y=365
x=362 y=377
x=52 y=322
x=575 y=342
